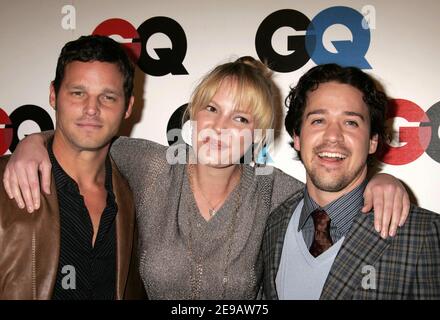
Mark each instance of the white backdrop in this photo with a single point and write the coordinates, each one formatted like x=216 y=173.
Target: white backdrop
x=402 y=51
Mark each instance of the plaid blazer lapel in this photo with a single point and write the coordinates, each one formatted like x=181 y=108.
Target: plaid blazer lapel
x=274 y=240
x=362 y=247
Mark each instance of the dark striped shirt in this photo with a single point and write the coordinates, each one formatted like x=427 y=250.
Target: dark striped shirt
x=90 y=269
x=342 y=212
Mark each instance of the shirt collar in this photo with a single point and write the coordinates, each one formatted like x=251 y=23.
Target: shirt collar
x=63 y=180
x=341 y=211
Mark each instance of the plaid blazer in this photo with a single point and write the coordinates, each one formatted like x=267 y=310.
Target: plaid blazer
x=406 y=266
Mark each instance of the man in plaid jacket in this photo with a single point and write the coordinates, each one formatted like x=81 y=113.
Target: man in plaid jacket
x=317 y=244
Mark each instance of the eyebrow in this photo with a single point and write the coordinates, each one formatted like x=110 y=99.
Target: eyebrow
x=324 y=111
x=111 y=91
x=355 y=114
x=317 y=111
x=74 y=86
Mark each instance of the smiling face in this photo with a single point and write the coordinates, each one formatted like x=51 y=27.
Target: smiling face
x=335 y=139
x=90 y=105
x=224 y=131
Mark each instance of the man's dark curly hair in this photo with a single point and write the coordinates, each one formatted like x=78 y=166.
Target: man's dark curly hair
x=96 y=48
x=374 y=98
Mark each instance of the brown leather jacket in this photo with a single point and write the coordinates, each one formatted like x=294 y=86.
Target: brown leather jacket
x=30 y=245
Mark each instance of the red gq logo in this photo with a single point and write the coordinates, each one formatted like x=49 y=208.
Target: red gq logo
x=415 y=139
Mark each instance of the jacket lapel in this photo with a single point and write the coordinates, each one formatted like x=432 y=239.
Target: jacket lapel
x=125 y=225
x=46 y=246
x=362 y=247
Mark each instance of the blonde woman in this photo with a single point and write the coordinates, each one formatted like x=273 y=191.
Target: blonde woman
x=200 y=212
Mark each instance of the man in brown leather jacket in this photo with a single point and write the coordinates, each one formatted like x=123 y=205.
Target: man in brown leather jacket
x=81 y=242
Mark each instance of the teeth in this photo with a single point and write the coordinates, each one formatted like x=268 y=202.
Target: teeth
x=332 y=155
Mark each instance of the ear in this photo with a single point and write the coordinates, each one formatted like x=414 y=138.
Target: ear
x=52 y=96
x=129 y=108
x=296 y=142
x=373 y=144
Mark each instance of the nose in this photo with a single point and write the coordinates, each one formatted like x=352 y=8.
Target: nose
x=221 y=123
x=92 y=106
x=333 y=133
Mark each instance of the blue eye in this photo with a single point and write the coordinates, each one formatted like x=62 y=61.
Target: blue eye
x=317 y=121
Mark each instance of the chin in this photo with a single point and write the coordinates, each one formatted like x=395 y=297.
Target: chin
x=331 y=187
x=91 y=145
x=331 y=184
x=216 y=162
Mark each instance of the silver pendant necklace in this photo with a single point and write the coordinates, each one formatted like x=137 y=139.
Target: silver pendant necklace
x=212 y=209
